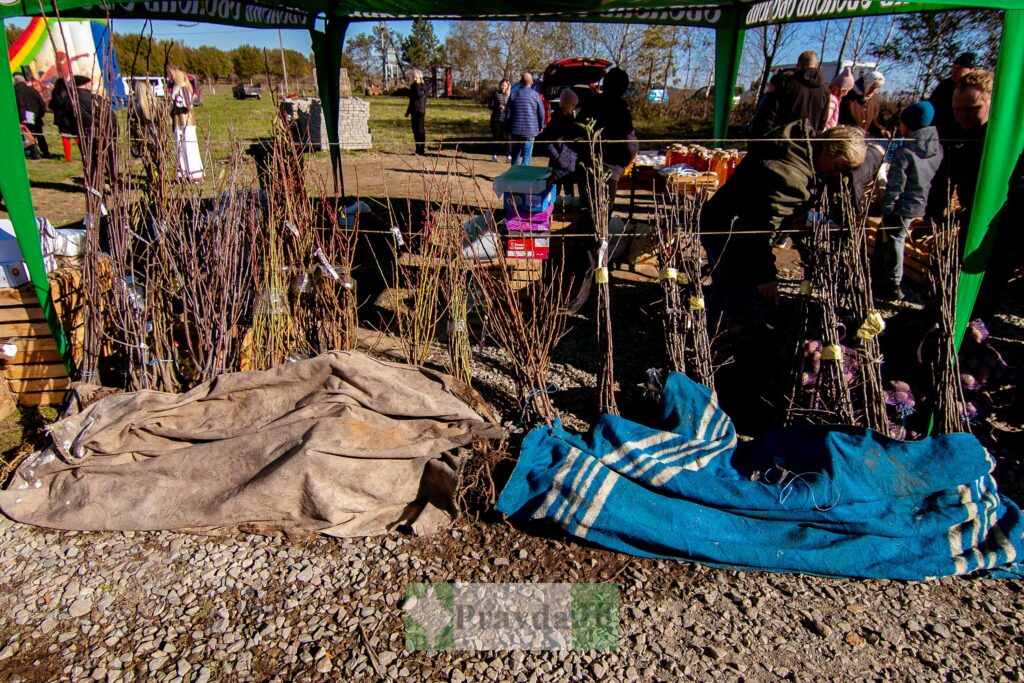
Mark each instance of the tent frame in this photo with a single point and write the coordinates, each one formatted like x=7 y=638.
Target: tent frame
x=1004 y=140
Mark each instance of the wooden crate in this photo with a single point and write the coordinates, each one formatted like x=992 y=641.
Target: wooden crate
x=36 y=373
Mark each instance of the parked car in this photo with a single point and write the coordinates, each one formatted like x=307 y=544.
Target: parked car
x=244 y=92
x=161 y=87
x=155 y=82
x=197 y=95
x=582 y=74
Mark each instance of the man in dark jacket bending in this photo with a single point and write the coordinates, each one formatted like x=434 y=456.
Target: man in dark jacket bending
x=778 y=176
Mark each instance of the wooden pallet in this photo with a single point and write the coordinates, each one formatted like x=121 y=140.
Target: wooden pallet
x=36 y=373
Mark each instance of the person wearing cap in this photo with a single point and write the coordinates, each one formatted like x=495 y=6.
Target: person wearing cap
x=911 y=171
x=31 y=110
x=839 y=88
x=86 y=103
x=560 y=139
x=942 y=97
x=803 y=96
x=862 y=105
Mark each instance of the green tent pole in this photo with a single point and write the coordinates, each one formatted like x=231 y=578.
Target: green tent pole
x=1003 y=143
x=327 y=47
x=18 y=199
x=728 y=51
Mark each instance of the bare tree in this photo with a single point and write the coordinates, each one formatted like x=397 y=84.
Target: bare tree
x=771 y=39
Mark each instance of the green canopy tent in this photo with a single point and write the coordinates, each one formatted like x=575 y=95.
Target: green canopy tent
x=728 y=18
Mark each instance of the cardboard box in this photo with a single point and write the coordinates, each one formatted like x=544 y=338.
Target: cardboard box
x=532 y=247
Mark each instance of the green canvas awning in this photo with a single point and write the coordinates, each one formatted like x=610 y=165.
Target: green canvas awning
x=729 y=19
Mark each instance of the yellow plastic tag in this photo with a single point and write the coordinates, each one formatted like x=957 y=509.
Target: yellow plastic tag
x=696 y=303
x=669 y=274
x=832 y=352
x=873 y=325
x=805 y=287
x=601 y=276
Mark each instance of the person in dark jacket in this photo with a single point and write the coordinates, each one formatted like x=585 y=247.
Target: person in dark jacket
x=959 y=170
x=524 y=119
x=561 y=137
x=779 y=176
x=911 y=170
x=417 y=111
x=861 y=183
x=499 y=100
x=862 y=105
x=802 y=96
x=609 y=115
x=942 y=97
x=86 y=105
x=64 y=116
x=31 y=110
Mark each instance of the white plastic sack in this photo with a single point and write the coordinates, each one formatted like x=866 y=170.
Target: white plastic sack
x=190 y=160
x=481 y=243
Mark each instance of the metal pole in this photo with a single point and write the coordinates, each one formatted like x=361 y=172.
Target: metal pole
x=284 y=68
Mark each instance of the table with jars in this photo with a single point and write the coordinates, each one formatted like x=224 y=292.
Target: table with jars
x=686 y=169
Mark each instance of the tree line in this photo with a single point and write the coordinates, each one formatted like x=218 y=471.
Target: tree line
x=486 y=51
x=920 y=45
x=139 y=55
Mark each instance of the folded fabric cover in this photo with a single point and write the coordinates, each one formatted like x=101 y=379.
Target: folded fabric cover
x=821 y=500
x=341 y=444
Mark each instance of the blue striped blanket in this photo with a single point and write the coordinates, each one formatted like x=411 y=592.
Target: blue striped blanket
x=820 y=500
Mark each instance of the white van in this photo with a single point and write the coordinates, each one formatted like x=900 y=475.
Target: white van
x=155 y=82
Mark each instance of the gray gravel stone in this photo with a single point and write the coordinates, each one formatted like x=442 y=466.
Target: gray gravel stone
x=80 y=607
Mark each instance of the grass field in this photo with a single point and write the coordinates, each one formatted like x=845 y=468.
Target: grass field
x=224 y=121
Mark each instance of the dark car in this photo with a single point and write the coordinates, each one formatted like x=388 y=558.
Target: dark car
x=244 y=92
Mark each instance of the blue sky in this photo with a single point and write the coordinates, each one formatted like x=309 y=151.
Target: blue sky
x=228 y=37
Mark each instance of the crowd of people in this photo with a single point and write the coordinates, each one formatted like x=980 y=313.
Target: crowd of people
x=83 y=115
x=810 y=136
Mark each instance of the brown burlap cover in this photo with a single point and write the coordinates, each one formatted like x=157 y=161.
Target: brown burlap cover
x=341 y=444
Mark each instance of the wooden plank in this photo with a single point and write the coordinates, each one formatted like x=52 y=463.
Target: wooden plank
x=35 y=371
x=35 y=350
x=42 y=398
x=18 y=296
x=19 y=314
x=24 y=386
x=24 y=329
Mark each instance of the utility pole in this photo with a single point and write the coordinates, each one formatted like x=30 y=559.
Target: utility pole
x=284 y=68
x=384 y=53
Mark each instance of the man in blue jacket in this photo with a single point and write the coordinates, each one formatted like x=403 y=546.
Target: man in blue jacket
x=525 y=112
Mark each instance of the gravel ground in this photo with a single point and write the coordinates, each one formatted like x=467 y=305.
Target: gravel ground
x=172 y=607
x=177 y=607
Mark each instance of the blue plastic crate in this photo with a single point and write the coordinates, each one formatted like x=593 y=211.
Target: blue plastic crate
x=525 y=205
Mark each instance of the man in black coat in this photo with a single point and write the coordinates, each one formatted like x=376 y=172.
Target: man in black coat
x=417 y=110
x=803 y=96
x=961 y=162
x=31 y=109
x=942 y=97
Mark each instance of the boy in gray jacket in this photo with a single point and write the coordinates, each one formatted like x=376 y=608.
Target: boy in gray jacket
x=911 y=170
